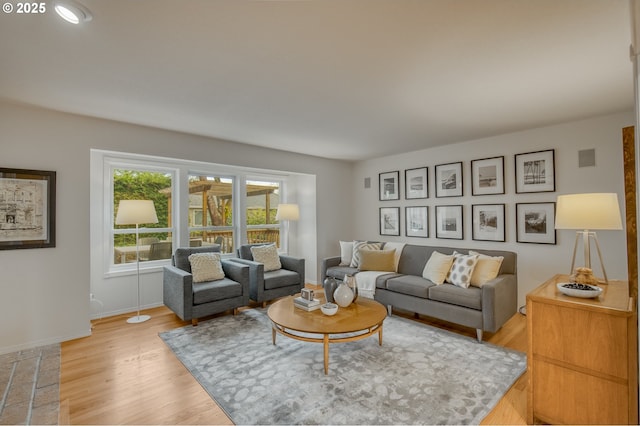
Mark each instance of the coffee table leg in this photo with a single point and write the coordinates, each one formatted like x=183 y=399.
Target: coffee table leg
x=273 y=334
x=380 y=335
x=326 y=354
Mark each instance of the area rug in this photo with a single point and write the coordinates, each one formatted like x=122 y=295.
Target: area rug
x=420 y=375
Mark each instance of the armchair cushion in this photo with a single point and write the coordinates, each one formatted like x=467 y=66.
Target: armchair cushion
x=280 y=278
x=216 y=290
x=206 y=267
x=268 y=255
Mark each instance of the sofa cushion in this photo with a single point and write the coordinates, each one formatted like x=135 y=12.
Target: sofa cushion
x=437 y=267
x=280 y=278
x=411 y=285
x=357 y=245
x=346 y=252
x=486 y=269
x=462 y=269
x=206 y=267
x=339 y=272
x=377 y=260
x=381 y=280
x=448 y=293
x=212 y=291
x=267 y=255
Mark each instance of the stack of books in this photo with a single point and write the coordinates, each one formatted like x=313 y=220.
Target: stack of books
x=306 y=305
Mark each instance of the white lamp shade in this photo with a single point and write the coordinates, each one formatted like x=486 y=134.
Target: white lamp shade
x=135 y=212
x=288 y=212
x=588 y=211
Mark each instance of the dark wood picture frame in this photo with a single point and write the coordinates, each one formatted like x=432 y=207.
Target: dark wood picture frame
x=535 y=223
x=27 y=209
x=389 y=186
x=390 y=221
x=488 y=222
x=416 y=183
x=416 y=221
x=487 y=176
x=449 y=223
x=535 y=171
x=448 y=180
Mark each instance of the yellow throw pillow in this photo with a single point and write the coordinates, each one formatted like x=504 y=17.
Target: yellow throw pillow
x=206 y=267
x=486 y=269
x=437 y=267
x=377 y=260
x=268 y=255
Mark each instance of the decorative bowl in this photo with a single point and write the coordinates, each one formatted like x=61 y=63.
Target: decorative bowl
x=585 y=291
x=329 y=308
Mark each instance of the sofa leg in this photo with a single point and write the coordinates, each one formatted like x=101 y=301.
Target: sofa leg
x=264 y=304
x=416 y=315
x=389 y=310
x=479 y=334
x=194 y=321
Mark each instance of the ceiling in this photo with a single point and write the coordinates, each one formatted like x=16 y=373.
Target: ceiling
x=347 y=79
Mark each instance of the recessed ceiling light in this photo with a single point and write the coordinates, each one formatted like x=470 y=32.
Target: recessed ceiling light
x=72 y=11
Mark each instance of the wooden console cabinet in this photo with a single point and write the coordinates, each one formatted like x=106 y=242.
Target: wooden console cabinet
x=582 y=356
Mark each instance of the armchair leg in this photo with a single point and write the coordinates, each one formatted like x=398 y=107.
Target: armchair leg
x=194 y=322
x=235 y=311
x=264 y=304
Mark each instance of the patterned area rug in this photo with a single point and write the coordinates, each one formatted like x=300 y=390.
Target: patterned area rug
x=420 y=375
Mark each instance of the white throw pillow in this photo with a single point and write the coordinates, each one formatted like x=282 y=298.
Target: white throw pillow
x=462 y=269
x=357 y=245
x=346 y=252
x=267 y=254
x=206 y=267
x=437 y=267
x=486 y=269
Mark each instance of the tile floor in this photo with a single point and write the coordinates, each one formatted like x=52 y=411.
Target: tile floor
x=30 y=386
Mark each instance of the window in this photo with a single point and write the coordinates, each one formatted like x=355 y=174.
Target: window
x=262 y=201
x=155 y=240
x=211 y=211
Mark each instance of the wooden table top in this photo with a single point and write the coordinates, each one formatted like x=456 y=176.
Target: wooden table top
x=361 y=315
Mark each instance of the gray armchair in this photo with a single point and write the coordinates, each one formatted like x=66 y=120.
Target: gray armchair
x=265 y=286
x=192 y=301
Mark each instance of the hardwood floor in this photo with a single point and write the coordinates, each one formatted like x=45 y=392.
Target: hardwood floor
x=124 y=374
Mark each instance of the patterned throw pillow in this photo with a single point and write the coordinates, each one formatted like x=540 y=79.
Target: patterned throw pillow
x=462 y=269
x=267 y=254
x=206 y=267
x=437 y=267
x=357 y=245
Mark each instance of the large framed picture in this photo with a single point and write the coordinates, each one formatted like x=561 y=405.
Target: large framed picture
x=27 y=209
x=389 y=220
x=535 y=223
x=487 y=176
x=389 y=186
x=449 y=222
x=449 y=180
x=416 y=183
x=535 y=171
x=488 y=222
x=416 y=221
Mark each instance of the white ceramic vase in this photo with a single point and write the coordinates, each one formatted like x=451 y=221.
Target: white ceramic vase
x=343 y=295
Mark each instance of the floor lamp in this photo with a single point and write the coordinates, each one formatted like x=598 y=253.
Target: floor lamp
x=132 y=212
x=587 y=212
x=287 y=213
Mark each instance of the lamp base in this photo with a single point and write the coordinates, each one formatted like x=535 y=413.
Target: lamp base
x=138 y=318
x=584 y=276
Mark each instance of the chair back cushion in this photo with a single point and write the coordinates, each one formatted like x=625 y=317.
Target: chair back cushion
x=181 y=256
x=244 y=252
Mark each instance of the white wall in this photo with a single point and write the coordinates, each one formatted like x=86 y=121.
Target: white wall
x=536 y=262
x=44 y=293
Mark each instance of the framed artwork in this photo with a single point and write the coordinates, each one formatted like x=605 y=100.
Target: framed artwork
x=449 y=180
x=488 y=222
x=416 y=183
x=389 y=220
x=389 y=186
x=535 y=172
x=27 y=209
x=535 y=223
x=416 y=221
x=449 y=222
x=487 y=176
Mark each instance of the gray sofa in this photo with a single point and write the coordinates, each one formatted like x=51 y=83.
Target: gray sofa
x=485 y=309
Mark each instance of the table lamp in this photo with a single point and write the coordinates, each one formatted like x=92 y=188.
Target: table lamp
x=132 y=212
x=588 y=212
x=287 y=212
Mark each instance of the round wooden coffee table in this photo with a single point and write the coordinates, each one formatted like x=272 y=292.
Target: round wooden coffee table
x=357 y=321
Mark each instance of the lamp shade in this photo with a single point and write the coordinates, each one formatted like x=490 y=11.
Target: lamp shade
x=588 y=211
x=135 y=212
x=288 y=212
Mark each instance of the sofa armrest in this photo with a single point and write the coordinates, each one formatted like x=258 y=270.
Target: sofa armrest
x=327 y=263
x=293 y=264
x=499 y=301
x=177 y=291
x=238 y=272
x=256 y=276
